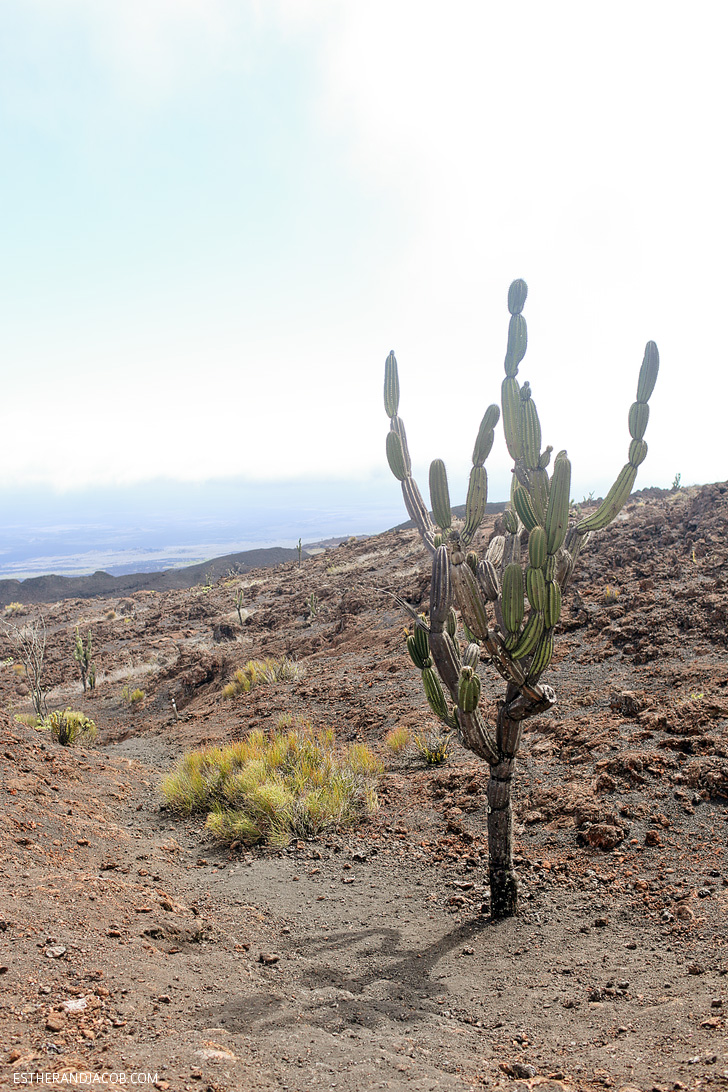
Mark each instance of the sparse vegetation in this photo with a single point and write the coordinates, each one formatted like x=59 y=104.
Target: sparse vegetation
x=132 y=696
x=434 y=748
x=271 y=787
x=30 y=642
x=398 y=739
x=676 y=482
x=611 y=595
x=313 y=606
x=69 y=726
x=82 y=654
x=30 y=720
x=14 y=608
x=259 y=672
x=239 y=605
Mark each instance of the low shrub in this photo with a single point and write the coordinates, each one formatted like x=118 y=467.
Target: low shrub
x=434 y=748
x=259 y=672
x=133 y=697
x=271 y=787
x=69 y=726
x=14 y=608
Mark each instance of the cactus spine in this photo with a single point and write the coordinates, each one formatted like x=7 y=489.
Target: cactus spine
x=489 y=591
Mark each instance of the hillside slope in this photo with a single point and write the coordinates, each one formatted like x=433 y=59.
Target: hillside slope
x=366 y=959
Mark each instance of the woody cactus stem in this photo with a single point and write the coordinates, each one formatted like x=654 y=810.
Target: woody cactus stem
x=508 y=601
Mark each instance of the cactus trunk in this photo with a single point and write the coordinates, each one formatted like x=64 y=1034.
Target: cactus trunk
x=502 y=875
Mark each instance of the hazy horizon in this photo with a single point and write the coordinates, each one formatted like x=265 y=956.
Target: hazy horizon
x=160 y=525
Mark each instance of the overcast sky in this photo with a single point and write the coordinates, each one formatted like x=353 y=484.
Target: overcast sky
x=219 y=216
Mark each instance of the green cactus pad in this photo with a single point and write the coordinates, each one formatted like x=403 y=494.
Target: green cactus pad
x=637 y=452
x=517 y=296
x=440 y=494
x=517 y=344
x=471 y=656
x=510 y=521
x=542 y=655
x=613 y=503
x=557 y=512
x=435 y=694
x=418 y=659
x=552 y=610
x=511 y=404
x=537 y=548
x=535 y=588
x=524 y=508
x=545 y=457
x=486 y=434
x=391 y=386
x=530 y=429
x=395 y=456
x=639 y=415
x=475 y=502
x=468 y=690
x=530 y=637
x=648 y=372
x=512 y=597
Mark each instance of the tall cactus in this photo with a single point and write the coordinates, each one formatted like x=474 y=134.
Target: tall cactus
x=82 y=654
x=508 y=605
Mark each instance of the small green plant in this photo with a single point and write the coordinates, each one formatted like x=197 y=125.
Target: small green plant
x=434 y=748
x=676 y=482
x=260 y=672
x=271 y=787
x=611 y=595
x=132 y=697
x=239 y=604
x=69 y=727
x=30 y=720
x=14 y=608
x=299 y=547
x=82 y=655
x=398 y=739
x=313 y=606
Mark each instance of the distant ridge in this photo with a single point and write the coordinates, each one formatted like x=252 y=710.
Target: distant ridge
x=49 y=589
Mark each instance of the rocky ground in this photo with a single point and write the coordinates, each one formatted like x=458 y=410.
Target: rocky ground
x=130 y=945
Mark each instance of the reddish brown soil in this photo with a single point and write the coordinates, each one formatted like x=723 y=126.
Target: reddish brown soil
x=389 y=974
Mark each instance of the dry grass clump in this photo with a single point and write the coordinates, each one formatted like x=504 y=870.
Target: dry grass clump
x=259 y=672
x=272 y=787
x=398 y=739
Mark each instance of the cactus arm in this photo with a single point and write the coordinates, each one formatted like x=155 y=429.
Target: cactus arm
x=398 y=457
x=639 y=414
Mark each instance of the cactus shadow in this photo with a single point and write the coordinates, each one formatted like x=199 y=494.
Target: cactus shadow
x=368 y=978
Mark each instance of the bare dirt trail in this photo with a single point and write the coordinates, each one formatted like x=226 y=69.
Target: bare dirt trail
x=367 y=960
